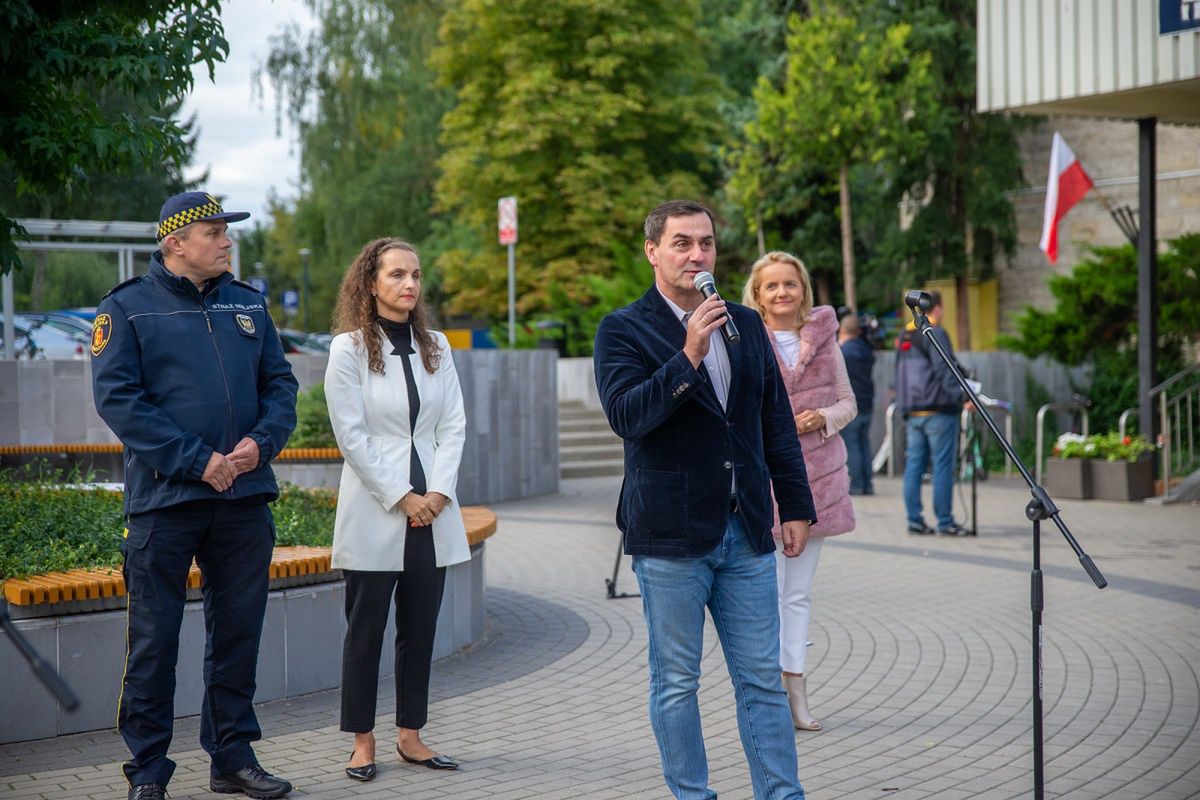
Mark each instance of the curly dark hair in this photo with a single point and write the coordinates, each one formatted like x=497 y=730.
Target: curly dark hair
x=355 y=312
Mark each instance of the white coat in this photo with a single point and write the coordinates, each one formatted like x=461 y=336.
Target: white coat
x=370 y=420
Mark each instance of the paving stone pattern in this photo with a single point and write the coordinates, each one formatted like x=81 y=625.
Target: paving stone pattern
x=920 y=671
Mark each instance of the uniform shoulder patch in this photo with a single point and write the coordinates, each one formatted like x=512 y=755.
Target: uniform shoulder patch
x=101 y=333
x=122 y=285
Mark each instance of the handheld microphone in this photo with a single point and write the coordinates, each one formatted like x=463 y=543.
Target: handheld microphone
x=708 y=287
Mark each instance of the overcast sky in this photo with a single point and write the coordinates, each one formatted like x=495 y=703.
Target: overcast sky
x=237 y=141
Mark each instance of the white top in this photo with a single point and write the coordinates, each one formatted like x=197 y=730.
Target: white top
x=788 y=343
x=370 y=420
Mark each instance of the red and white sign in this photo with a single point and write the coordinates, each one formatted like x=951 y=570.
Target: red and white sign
x=1067 y=184
x=508 y=220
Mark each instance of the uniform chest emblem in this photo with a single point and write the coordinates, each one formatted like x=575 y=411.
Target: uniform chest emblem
x=245 y=323
x=101 y=333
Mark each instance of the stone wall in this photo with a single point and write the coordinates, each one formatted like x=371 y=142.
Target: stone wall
x=510 y=396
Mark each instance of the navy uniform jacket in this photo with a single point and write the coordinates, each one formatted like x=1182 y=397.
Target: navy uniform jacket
x=680 y=446
x=178 y=374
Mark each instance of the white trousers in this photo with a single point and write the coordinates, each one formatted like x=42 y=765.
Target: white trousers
x=794 y=577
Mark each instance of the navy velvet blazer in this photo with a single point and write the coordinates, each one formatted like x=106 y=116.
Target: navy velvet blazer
x=681 y=448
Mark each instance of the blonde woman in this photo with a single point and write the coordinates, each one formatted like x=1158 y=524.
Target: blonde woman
x=397 y=414
x=814 y=373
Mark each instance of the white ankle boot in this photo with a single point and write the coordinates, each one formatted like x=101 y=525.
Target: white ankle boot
x=797 y=694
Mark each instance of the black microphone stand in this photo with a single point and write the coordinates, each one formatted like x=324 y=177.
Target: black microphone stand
x=41 y=668
x=1039 y=508
x=611 y=583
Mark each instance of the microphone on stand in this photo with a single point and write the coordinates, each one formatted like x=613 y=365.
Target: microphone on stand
x=708 y=287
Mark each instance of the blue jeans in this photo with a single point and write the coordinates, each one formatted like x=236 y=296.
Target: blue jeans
x=738 y=587
x=857 y=436
x=931 y=437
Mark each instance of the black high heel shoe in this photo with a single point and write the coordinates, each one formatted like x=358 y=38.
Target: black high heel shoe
x=433 y=762
x=363 y=773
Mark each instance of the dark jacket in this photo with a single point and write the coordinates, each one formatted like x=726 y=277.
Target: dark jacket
x=923 y=380
x=178 y=374
x=860 y=361
x=680 y=446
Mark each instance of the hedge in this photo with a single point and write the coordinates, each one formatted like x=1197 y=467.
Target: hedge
x=52 y=521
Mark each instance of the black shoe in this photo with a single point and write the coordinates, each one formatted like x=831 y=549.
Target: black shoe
x=954 y=529
x=363 y=773
x=148 y=791
x=252 y=781
x=433 y=762
x=920 y=529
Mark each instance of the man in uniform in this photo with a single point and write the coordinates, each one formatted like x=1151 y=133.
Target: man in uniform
x=709 y=436
x=188 y=371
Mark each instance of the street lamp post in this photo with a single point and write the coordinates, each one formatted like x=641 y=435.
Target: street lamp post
x=305 y=255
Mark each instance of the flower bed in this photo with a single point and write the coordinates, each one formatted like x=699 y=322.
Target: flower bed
x=1105 y=466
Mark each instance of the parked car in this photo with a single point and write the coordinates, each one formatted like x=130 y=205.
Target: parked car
x=65 y=321
x=36 y=340
x=295 y=341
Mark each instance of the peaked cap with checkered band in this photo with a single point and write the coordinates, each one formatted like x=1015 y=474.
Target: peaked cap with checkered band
x=184 y=209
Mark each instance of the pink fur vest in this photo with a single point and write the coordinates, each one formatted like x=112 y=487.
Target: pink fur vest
x=812 y=384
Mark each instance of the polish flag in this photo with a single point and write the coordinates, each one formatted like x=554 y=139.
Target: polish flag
x=1067 y=184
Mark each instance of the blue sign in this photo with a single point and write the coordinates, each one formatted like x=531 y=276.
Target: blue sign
x=291 y=301
x=258 y=282
x=1178 y=15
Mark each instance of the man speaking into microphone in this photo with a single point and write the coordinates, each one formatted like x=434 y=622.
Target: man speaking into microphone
x=708 y=428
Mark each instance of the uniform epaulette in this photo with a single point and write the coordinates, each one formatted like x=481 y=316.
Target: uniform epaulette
x=123 y=284
x=244 y=285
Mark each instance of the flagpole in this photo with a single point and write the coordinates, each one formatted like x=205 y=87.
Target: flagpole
x=1123 y=216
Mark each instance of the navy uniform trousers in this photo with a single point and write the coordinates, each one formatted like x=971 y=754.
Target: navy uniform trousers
x=232 y=542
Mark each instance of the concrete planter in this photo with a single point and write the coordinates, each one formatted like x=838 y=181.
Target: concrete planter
x=1069 y=478
x=1123 y=480
x=300 y=652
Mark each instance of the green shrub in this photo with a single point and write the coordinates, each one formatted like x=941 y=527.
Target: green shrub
x=49 y=526
x=51 y=521
x=313 y=428
x=304 y=516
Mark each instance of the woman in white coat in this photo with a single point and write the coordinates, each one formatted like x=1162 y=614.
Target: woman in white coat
x=397 y=414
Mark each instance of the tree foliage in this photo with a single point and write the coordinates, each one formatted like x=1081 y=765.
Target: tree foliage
x=590 y=114
x=361 y=93
x=849 y=92
x=57 y=131
x=964 y=222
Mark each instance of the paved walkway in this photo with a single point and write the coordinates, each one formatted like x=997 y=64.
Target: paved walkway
x=920 y=671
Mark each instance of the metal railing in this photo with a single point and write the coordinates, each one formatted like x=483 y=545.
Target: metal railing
x=1178 y=422
x=890 y=442
x=1067 y=405
x=1123 y=421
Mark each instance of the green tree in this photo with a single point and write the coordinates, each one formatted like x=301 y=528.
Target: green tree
x=360 y=91
x=590 y=114
x=56 y=131
x=849 y=93
x=964 y=221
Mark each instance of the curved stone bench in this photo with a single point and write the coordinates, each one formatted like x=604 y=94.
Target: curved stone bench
x=76 y=620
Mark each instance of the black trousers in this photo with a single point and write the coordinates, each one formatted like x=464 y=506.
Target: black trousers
x=232 y=543
x=417 y=593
